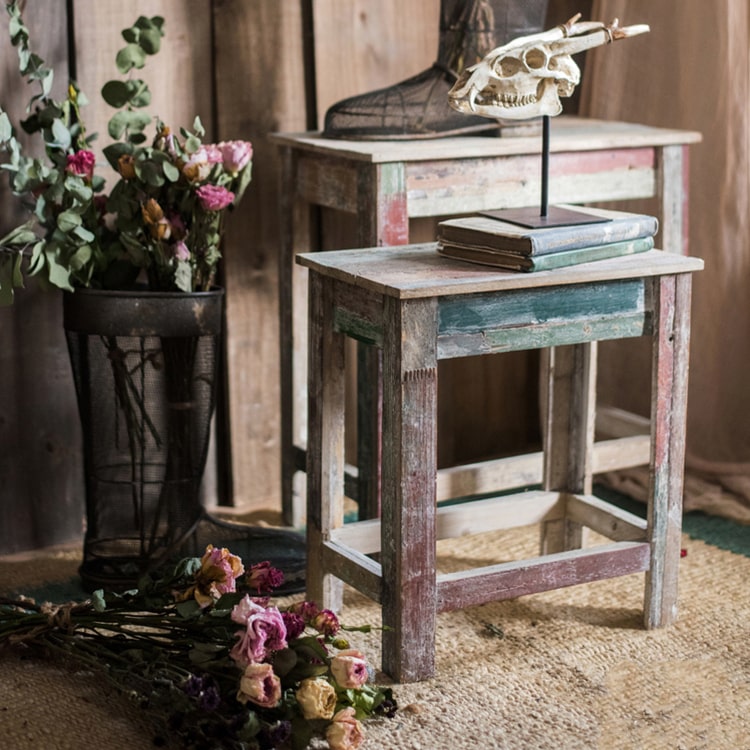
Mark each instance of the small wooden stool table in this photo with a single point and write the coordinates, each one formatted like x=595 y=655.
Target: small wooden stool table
x=419 y=307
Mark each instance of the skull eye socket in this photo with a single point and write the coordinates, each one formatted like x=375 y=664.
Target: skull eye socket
x=507 y=67
x=535 y=58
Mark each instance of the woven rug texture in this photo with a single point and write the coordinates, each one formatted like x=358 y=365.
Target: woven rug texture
x=562 y=670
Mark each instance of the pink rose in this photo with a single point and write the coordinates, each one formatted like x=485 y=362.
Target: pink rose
x=236 y=155
x=345 y=732
x=349 y=668
x=264 y=631
x=81 y=164
x=214 y=154
x=259 y=685
x=198 y=166
x=214 y=197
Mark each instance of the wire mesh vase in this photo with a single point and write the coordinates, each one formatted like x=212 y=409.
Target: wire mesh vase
x=145 y=371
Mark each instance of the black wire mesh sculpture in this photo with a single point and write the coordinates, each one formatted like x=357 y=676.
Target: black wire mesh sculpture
x=418 y=106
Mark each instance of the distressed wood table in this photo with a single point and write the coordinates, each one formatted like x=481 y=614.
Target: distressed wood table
x=386 y=183
x=418 y=307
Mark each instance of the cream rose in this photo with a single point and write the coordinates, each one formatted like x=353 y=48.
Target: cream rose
x=316 y=698
x=345 y=732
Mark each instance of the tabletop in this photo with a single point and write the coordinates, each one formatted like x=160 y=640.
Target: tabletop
x=414 y=271
x=567 y=133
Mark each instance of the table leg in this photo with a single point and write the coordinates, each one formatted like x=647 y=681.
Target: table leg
x=568 y=435
x=383 y=221
x=325 y=444
x=409 y=489
x=671 y=343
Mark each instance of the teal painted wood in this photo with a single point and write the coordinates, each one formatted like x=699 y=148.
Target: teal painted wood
x=358 y=328
x=477 y=312
x=540 y=318
x=542 y=336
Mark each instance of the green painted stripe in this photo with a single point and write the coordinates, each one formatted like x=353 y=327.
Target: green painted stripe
x=522 y=307
x=541 y=336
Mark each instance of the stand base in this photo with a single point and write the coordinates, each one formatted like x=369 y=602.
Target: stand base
x=556 y=216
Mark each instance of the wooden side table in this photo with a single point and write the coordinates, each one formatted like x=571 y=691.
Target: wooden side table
x=386 y=183
x=418 y=307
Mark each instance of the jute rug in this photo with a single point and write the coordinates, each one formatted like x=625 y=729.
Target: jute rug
x=562 y=670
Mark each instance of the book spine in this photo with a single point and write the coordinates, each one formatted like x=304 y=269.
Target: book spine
x=592 y=235
x=590 y=254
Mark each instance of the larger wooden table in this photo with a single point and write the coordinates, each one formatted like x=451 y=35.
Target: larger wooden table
x=418 y=307
x=386 y=183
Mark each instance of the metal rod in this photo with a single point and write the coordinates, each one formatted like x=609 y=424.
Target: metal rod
x=545 y=165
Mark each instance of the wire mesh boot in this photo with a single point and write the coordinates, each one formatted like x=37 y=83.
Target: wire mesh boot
x=418 y=106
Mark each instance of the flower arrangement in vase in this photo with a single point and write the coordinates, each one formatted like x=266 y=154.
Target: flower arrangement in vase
x=162 y=221
x=137 y=265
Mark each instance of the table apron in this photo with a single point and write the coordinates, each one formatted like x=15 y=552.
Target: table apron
x=536 y=318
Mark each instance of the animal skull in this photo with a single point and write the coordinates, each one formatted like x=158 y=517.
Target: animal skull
x=526 y=77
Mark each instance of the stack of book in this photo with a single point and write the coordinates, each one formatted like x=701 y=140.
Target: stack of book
x=492 y=241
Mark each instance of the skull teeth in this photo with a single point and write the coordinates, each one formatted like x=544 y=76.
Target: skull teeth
x=513 y=100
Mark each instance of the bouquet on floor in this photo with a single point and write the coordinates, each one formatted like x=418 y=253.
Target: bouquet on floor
x=203 y=649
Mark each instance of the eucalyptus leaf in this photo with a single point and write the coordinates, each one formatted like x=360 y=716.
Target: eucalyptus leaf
x=7 y=278
x=6 y=129
x=23 y=235
x=116 y=93
x=150 y=40
x=183 y=276
x=85 y=235
x=36 y=264
x=80 y=257
x=129 y=57
x=68 y=220
x=78 y=189
x=170 y=171
x=61 y=134
x=58 y=274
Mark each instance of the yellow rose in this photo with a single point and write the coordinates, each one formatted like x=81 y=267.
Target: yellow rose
x=316 y=698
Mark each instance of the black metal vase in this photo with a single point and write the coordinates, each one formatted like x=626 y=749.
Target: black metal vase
x=145 y=366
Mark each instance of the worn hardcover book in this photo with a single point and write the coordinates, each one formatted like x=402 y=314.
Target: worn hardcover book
x=487 y=233
x=520 y=262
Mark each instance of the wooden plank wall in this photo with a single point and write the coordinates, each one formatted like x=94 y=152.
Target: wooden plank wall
x=247 y=69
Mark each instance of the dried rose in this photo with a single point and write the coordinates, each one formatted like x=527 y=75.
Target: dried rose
x=316 y=698
x=349 y=668
x=345 y=732
x=126 y=166
x=264 y=631
x=308 y=611
x=326 y=622
x=260 y=686
x=295 y=625
x=263 y=578
x=81 y=164
x=217 y=575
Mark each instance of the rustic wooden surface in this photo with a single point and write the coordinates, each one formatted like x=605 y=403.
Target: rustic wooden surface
x=249 y=69
x=416 y=286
